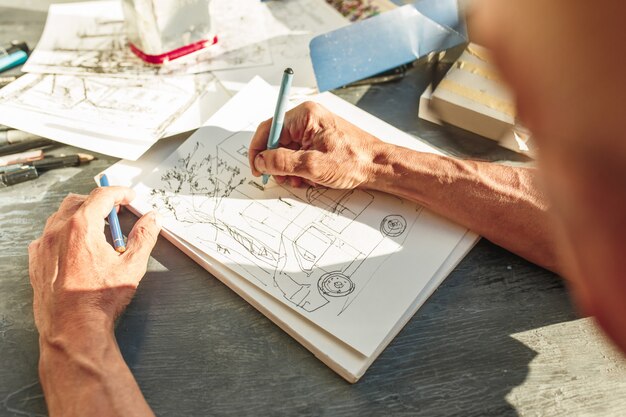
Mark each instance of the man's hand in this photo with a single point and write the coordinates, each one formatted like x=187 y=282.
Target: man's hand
x=317 y=148
x=503 y=204
x=78 y=279
x=80 y=285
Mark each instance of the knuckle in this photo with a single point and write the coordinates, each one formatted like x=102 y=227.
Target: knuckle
x=76 y=223
x=311 y=107
x=71 y=201
x=48 y=239
x=278 y=162
x=50 y=221
x=143 y=232
x=306 y=163
x=72 y=197
x=33 y=246
x=98 y=191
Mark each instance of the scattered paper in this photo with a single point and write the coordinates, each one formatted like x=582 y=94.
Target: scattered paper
x=289 y=29
x=351 y=261
x=121 y=117
x=89 y=38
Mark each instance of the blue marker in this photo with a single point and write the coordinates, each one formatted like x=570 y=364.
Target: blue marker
x=114 y=223
x=16 y=54
x=279 y=114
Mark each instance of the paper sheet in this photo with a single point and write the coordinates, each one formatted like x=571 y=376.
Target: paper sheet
x=291 y=24
x=338 y=258
x=344 y=360
x=89 y=38
x=121 y=117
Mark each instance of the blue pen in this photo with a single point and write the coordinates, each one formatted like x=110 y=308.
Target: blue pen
x=279 y=114
x=114 y=223
x=16 y=54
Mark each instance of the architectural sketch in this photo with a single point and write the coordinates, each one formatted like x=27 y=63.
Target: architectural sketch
x=347 y=264
x=137 y=109
x=311 y=247
x=84 y=39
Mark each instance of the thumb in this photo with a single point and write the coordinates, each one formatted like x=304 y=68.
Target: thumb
x=286 y=162
x=143 y=237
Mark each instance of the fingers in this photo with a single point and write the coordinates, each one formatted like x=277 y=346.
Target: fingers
x=99 y=203
x=142 y=238
x=258 y=144
x=301 y=119
x=286 y=162
x=70 y=205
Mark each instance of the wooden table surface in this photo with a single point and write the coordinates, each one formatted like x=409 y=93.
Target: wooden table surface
x=499 y=337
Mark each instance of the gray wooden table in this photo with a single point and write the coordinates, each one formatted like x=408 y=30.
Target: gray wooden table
x=499 y=337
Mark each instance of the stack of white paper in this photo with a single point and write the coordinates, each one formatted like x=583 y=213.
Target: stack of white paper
x=341 y=271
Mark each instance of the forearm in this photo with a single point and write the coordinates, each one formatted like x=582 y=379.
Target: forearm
x=502 y=203
x=86 y=375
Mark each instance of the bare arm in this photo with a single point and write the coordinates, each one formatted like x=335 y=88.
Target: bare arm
x=501 y=203
x=85 y=374
x=80 y=284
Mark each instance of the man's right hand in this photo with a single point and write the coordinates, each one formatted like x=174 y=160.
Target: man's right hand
x=317 y=147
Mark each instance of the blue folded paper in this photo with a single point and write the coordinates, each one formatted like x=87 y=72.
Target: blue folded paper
x=386 y=41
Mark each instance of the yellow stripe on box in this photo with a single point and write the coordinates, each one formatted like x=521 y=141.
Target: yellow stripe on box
x=478 y=70
x=478 y=53
x=494 y=103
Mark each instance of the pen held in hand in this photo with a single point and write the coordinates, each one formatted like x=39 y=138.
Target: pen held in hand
x=279 y=114
x=114 y=223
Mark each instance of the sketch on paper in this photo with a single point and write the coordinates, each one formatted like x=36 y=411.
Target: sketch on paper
x=290 y=27
x=310 y=247
x=89 y=38
x=350 y=262
x=139 y=108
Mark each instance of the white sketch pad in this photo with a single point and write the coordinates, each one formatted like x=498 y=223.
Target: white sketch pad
x=344 y=360
x=89 y=38
x=338 y=258
x=121 y=117
x=338 y=356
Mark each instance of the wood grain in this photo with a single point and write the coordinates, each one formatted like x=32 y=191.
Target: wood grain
x=498 y=338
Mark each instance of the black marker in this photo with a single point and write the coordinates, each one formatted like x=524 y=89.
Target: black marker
x=17 y=176
x=55 y=162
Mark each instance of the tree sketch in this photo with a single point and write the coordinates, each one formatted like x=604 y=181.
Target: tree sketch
x=301 y=244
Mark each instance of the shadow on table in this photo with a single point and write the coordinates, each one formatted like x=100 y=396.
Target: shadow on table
x=196 y=348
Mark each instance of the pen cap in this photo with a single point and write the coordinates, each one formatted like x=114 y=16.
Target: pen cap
x=18 y=176
x=162 y=30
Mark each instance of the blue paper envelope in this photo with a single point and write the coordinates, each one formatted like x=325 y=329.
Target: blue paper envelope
x=385 y=41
